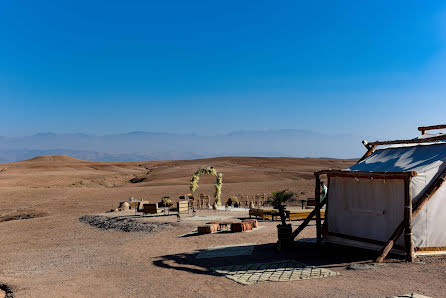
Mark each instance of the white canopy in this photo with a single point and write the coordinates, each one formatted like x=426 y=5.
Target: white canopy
x=371 y=209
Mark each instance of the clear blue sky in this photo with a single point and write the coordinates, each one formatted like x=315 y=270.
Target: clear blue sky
x=99 y=67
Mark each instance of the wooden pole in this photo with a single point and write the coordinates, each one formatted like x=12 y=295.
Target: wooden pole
x=368 y=153
x=423 y=129
x=325 y=224
x=429 y=193
x=386 y=249
x=408 y=238
x=411 y=141
x=364 y=174
x=317 y=197
x=306 y=221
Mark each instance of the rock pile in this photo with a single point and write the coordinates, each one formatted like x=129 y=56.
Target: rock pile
x=123 y=224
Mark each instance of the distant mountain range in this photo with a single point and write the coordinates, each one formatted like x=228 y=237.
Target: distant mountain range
x=140 y=145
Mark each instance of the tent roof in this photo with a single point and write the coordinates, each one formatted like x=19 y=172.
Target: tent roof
x=403 y=158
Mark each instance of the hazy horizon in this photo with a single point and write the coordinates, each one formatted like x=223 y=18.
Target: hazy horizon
x=139 y=145
x=343 y=70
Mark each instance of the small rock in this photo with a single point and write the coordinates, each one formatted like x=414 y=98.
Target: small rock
x=123 y=224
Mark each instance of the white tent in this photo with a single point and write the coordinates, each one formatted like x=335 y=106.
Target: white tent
x=393 y=198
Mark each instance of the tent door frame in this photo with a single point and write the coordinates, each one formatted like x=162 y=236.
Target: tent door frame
x=406 y=224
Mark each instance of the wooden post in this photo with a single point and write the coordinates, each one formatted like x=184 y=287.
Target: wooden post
x=408 y=238
x=317 y=197
x=325 y=224
x=423 y=129
x=306 y=221
x=368 y=153
x=405 y=225
x=386 y=249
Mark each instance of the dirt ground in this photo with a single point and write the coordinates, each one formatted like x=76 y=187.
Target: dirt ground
x=46 y=251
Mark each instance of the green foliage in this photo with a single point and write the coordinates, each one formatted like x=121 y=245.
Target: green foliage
x=211 y=171
x=166 y=202
x=232 y=201
x=278 y=200
x=218 y=187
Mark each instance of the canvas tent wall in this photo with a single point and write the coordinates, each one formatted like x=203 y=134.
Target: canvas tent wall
x=365 y=210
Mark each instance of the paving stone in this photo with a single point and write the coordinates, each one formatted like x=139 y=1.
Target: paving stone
x=277 y=272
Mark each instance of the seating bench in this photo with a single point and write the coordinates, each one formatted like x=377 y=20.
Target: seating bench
x=290 y=214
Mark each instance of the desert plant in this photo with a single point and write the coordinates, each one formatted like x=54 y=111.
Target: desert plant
x=233 y=201
x=278 y=200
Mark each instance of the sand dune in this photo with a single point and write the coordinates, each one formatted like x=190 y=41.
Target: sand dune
x=47 y=251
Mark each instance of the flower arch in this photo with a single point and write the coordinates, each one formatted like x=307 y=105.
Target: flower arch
x=218 y=185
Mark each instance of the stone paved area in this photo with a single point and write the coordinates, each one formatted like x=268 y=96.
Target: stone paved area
x=245 y=249
x=287 y=270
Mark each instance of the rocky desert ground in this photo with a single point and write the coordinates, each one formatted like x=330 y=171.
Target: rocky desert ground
x=46 y=251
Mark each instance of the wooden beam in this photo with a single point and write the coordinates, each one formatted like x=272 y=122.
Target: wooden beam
x=325 y=224
x=386 y=249
x=408 y=238
x=369 y=152
x=317 y=197
x=423 y=129
x=365 y=174
x=411 y=141
x=366 y=144
x=306 y=221
x=428 y=194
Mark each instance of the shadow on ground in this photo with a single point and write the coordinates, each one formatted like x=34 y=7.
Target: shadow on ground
x=310 y=254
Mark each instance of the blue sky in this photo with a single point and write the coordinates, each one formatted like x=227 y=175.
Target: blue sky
x=100 y=67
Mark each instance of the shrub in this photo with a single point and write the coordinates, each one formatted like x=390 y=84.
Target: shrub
x=166 y=202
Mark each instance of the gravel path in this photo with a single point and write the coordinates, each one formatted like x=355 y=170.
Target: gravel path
x=123 y=224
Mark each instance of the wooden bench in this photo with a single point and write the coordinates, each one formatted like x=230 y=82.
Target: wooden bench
x=263 y=213
x=151 y=208
x=140 y=206
x=301 y=214
x=290 y=214
x=311 y=202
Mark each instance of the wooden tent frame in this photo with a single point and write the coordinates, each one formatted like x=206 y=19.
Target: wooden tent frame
x=423 y=129
x=410 y=209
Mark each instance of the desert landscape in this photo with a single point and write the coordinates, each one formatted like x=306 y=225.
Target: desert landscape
x=48 y=252
x=222 y=149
